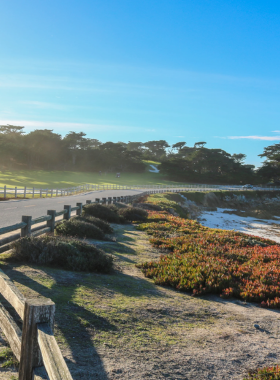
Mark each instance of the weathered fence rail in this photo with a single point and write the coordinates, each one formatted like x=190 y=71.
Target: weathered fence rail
x=34 y=346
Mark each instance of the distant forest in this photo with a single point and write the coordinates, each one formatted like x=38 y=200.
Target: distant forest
x=43 y=149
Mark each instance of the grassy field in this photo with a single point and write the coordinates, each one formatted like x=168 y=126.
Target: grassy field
x=64 y=179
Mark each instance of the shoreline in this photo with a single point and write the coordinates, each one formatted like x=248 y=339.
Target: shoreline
x=265 y=228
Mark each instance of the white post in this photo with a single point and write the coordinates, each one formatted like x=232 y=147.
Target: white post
x=33 y=192
x=15 y=191
x=24 y=194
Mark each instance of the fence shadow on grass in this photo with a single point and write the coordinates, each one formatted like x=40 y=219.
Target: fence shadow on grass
x=73 y=323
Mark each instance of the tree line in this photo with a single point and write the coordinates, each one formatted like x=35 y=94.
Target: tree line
x=46 y=150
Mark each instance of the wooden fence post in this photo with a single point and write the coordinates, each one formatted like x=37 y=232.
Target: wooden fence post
x=67 y=215
x=109 y=200
x=51 y=223
x=35 y=311
x=104 y=201
x=88 y=202
x=25 y=231
x=114 y=199
x=97 y=200
x=79 y=211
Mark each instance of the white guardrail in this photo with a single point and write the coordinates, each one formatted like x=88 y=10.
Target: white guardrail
x=26 y=192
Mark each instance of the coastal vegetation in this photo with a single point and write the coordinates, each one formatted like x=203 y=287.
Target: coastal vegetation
x=204 y=260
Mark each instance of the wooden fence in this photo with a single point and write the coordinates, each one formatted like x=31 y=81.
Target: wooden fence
x=35 y=347
x=26 y=225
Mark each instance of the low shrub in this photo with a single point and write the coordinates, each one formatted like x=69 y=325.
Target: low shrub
x=79 y=228
x=134 y=214
x=107 y=213
x=56 y=251
x=116 y=206
x=104 y=226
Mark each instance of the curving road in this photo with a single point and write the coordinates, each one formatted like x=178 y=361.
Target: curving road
x=12 y=211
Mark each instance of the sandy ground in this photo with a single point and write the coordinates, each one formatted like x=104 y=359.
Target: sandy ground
x=266 y=228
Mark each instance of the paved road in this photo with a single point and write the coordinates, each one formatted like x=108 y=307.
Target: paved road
x=12 y=211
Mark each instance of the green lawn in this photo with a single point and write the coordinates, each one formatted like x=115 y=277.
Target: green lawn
x=63 y=179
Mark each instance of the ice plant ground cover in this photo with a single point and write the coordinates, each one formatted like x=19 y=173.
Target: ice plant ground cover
x=269 y=373
x=206 y=260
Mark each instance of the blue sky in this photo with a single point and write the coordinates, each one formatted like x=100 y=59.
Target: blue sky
x=140 y=70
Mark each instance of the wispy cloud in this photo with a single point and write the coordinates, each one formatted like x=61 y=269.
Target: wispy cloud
x=268 y=138
x=42 y=105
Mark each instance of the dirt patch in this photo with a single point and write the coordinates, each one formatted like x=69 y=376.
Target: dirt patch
x=122 y=326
